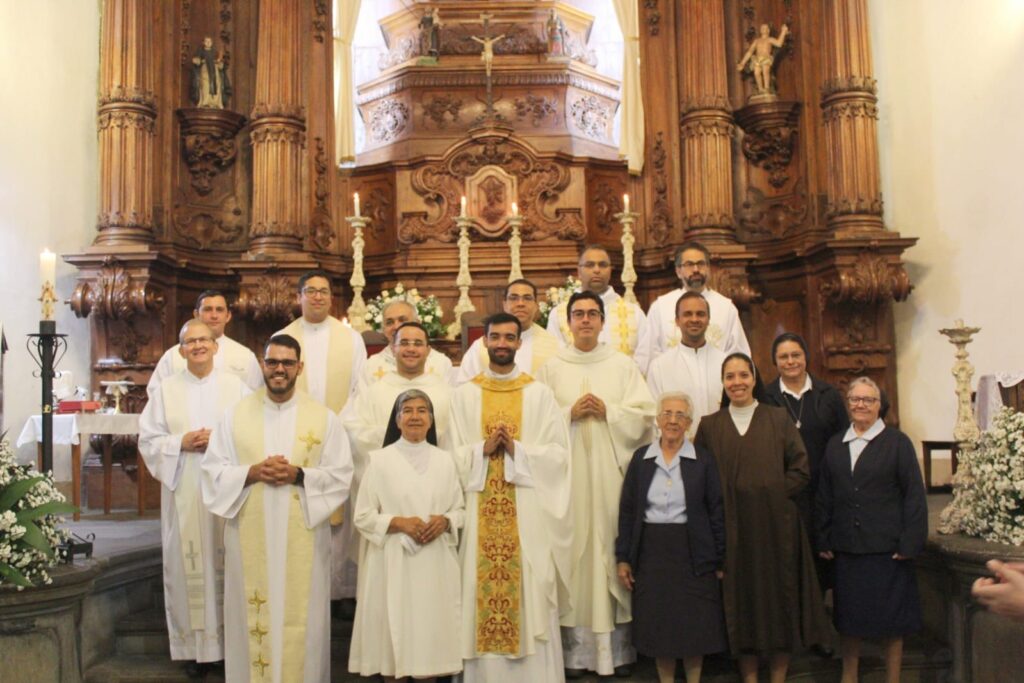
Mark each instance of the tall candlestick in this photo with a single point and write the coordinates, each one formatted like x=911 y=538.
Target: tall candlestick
x=464 y=280
x=355 y=202
x=48 y=281
x=625 y=203
x=462 y=207
x=357 y=309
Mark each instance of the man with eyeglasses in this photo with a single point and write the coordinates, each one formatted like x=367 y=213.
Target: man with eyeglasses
x=694 y=366
x=536 y=346
x=610 y=414
x=277 y=468
x=624 y=319
x=395 y=314
x=174 y=431
x=212 y=308
x=334 y=357
x=693 y=267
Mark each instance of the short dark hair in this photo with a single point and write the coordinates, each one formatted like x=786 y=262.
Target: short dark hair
x=287 y=341
x=580 y=296
x=690 y=294
x=789 y=337
x=206 y=294
x=411 y=323
x=520 y=281
x=310 y=274
x=677 y=258
x=594 y=247
x=500 y=319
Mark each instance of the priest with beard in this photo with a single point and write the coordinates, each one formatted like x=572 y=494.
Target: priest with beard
x=511 y=452
x=610 y=412
x=277 y=467
x=394 y=315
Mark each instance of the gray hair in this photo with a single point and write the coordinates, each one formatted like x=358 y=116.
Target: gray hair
x=866 y=381
x=402 y=300
x=676 y=396
x=409 y=395
x=184 y=328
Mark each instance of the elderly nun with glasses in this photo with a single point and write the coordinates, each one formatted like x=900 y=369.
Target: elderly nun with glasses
x=671 y=545
x=409 y=509
x=872 y=520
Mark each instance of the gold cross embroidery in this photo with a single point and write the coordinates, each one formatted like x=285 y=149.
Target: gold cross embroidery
x=258 y=633
x=310 y=441
x=259 y=662
x=256 y=601
x=380 y=372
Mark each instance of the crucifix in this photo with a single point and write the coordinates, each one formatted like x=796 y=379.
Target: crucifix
x=191 y=555
x=487 y=57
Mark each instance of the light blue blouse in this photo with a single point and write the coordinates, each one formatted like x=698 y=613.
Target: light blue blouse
x=666 y=499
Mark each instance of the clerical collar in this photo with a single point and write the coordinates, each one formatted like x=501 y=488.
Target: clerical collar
x=315 y=327
x=199 y=380
x=267 y=401
x=803 y=390
x=873 y=431
x=695 y=349
x=575 y=355
x=493 y=375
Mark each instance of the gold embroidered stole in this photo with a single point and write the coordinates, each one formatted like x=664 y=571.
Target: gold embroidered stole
x=621 y=326
x=339 y=361
x=187 y=500
x=499 y=563
x=248 y=430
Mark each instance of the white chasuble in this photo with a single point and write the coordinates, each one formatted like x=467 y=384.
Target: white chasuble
x=696 y=372
x=192 y=538
x=601 y=451
x=277 y=538
x=382 y=363
x=538 y=345
x=408 y=615
x=231 y=357
x=517 y=641
x=661 y=333
x=623 y=322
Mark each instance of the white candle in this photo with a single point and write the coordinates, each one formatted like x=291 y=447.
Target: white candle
x=625 y=203
x=462 y=205
x=48 y=267
x=355 y=201
x=515 y=209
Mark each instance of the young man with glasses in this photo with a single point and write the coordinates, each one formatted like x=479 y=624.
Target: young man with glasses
x=394 y=315
x=611 y=414
x=537 y=345
x=693 y=267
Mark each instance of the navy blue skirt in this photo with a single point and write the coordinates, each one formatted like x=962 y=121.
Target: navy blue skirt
x=876 y=596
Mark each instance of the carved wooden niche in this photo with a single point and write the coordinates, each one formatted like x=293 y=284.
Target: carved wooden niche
x=490 y=193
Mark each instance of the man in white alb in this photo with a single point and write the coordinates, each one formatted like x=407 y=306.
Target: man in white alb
x=174 y=430
x=610 y=414
x=395 y=314
x=277 y=467
x=694 y=366
x=212 y=308
x=536 y=343
x=660 y=333
x=623 y=319
x=511 y=452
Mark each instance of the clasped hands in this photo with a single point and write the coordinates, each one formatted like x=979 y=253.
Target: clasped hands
x=275 y=470
x=589 y=405
x=418 y=530
x=499 y=443
x=196 y=441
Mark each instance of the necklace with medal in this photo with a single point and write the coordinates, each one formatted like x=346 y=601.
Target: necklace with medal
x=800 y=408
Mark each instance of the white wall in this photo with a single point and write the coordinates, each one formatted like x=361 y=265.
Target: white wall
x=952 y=144
x=49 y=62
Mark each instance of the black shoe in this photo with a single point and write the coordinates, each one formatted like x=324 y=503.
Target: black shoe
x=823 y=651
x=574 y=673
x=624 y=671
x=195 y=670
x=348 y=609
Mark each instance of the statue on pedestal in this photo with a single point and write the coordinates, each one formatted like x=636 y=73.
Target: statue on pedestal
x=761 y=57
x=555 y=28
x=430 y=33
x=210 y=85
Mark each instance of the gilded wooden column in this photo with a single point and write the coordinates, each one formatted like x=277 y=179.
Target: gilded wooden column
x=127 y=112
x=706 y=122
x=850 y=112
x=278 y=130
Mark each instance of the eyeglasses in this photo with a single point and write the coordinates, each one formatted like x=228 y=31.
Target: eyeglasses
x=412 y=343
x=579 y=314
x=862 y=400
x=313 y=291
x=287 y=364
x=516 y=298
x=197 y=340
x=700 y=265
x=673 y=416
x=590 y=265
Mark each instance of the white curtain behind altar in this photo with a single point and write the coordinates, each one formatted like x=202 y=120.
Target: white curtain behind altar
x=631 y=137
x=346 y=14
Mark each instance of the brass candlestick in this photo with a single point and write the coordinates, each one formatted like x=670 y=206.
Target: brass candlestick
x=357 y=310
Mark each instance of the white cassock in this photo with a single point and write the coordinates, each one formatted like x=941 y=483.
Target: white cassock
x=524 y=645
x=538 y=345
x=192 y=538
x=333 y=358
x=661 y=332
x=277 y=538
x=623 y=322
x=595 y=633
x=696 y=372
x=380 y=364
x=408 y=615
x=231 y=357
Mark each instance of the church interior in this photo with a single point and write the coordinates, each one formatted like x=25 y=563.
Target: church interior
x=859 y=192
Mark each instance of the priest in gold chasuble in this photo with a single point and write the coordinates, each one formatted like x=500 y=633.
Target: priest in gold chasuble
x=278 y=465
x=511 y=452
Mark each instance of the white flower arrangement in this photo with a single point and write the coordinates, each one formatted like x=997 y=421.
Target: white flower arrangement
x=427 y=307
x=556 y=296
x=988 y=487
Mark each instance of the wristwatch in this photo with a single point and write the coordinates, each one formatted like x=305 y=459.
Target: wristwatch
x=300 y=477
